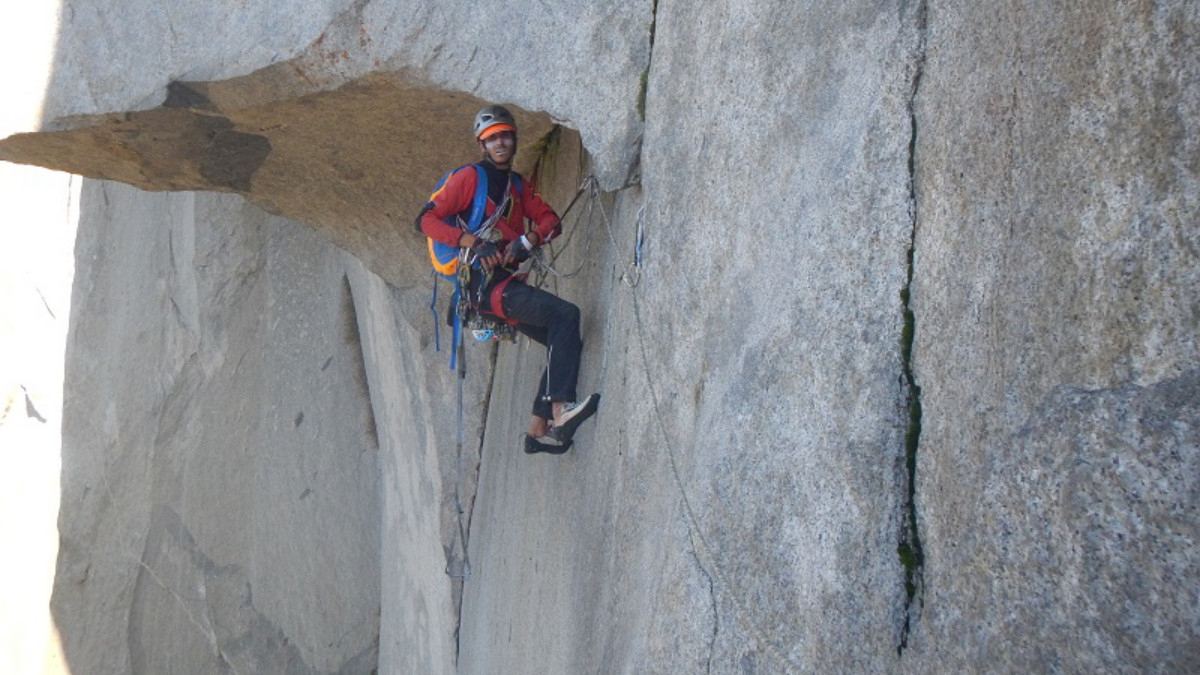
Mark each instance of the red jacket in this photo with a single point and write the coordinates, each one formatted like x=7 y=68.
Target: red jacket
x=456 y=195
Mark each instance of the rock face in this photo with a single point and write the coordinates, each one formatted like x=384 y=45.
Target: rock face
x=1055 y=287
x=221 y=475
x=892 y=306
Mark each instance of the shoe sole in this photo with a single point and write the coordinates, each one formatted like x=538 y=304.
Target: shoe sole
x=567 y=431
x=534 y=446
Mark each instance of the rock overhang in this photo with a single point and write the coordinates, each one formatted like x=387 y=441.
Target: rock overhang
x=343 y=115
x=356 y=161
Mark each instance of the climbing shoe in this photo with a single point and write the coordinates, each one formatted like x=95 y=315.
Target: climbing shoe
x=572 y=415
x=548 y=443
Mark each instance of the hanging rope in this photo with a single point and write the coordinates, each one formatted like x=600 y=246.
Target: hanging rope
x=544 y=268
x=631 y=277
x=700 y=546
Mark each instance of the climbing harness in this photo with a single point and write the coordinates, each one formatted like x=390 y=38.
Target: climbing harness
x=454 y=263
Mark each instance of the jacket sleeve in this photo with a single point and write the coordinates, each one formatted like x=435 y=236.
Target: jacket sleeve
x=454 y=197
x=545 y=220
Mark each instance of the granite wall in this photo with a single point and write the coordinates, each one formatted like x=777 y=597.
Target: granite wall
x=892 y=306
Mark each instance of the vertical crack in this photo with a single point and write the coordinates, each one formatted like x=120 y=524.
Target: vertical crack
x=909 y=550
x=467 y=511
x=712 y=643
x=635 y=170
x=352 y=338
x=644 y=81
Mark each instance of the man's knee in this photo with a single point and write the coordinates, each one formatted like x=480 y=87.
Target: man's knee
x=565 y=317
x=567 y=312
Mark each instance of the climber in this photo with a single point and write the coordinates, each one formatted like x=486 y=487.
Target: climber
x=494 y=243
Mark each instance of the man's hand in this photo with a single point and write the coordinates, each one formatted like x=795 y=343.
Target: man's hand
x=519 y=250
x=487 y=253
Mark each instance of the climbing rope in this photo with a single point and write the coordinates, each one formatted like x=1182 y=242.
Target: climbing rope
x=544 y=268
x=704 y=556
x=459 y=542
x=631 y=277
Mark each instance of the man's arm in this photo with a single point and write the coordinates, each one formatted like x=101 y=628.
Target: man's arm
x=546 y=225
x=454 y=197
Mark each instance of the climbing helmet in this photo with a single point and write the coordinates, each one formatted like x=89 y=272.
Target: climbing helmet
x=493 y=119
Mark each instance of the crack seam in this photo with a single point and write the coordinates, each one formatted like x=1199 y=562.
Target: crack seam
x=909 y=548
x=712 y=594
x=469 y=513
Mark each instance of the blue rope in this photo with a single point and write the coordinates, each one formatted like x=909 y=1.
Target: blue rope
x=457 y=337
x=437 y=338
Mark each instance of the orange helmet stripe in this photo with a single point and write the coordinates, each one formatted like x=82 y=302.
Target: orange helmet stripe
x=495 y=129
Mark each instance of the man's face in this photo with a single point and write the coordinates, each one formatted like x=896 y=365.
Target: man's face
x=500 y=148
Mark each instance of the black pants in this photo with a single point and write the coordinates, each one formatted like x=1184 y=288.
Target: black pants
x=550 y=321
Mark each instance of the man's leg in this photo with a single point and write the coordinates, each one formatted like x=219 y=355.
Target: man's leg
x=554 y=322
x=542 y=410
x=538 y=310
x=536 y=437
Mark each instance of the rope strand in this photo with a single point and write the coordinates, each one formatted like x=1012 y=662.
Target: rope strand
x=631 y=277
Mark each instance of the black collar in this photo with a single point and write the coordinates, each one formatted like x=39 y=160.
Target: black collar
x=497 y=179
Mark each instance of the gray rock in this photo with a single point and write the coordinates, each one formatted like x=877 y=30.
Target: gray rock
x=750 y=447
x=1055 y=282
x=220 y=472
x=864 y=231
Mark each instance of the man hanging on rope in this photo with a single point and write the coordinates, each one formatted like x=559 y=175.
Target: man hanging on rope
x=494 y=243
